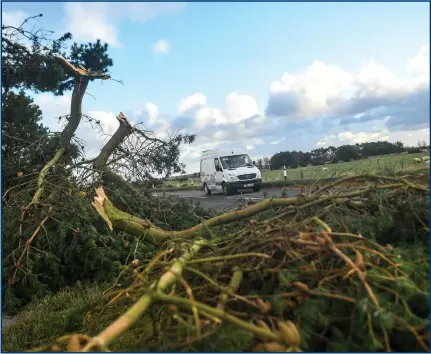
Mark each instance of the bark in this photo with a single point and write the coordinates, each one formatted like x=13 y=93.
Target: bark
x=122 y=221
x=82 y=77
x=132 y=315
x=123 y=131
x=100 y=163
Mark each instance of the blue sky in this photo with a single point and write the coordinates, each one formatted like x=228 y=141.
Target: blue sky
x=254 y=74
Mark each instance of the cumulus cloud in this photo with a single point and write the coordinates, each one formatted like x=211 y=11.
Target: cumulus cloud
x=187 y=104
x=321 y=106
x=238 y=108
x=374 y=92
x=97 y=25
x=162 y=46
x=408 y=137
x=419 y=67
x=150 y=115
x=96 y=20
x=362 y=137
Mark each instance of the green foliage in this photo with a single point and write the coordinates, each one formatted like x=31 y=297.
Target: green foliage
x=92 y=56
x=347 y=153
x=225 y=339
x=21 y=130
x=331 y=154
x=326 y=320
x=31 y=68
x=397 y=221
x=36 y=69
x=76 y=245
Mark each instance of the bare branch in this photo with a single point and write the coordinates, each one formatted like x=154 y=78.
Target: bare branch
x=81 y=71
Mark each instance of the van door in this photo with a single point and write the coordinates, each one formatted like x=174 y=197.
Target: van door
x=218 y=174
x=208 y=172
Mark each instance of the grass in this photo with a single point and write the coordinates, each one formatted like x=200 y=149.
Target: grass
x=377 y=165
x=55 y=315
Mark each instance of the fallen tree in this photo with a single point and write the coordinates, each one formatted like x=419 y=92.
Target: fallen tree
x=314 y=273
x=145 y=229
x=58 y=238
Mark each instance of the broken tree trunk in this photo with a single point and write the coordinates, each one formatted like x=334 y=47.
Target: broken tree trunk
x=101 y=161
x=122 y=221
x=82 y=78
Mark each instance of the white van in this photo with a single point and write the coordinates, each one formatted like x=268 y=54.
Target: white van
x=227 y=171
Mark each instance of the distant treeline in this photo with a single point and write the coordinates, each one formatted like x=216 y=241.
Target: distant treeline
x=320 y=156
x=332 y=154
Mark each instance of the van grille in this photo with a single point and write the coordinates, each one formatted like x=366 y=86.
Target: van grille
x=246 y=177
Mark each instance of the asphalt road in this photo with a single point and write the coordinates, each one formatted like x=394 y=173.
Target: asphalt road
x=222 y=202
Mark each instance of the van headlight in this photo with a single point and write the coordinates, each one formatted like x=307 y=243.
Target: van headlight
x=232 y=178
x=258 y=174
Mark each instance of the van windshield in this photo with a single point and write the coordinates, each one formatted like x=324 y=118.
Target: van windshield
x=234 y=161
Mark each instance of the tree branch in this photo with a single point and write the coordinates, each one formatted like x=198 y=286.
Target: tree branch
x=123 y=221
x=81 y=71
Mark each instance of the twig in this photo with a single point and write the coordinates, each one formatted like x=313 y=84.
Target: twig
x=12 y=281
x=121 y=324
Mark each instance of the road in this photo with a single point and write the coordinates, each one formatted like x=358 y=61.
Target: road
x=222 y=202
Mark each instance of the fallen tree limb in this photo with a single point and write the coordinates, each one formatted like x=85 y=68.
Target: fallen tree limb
x=123 y=221
x=118 y=327
x=82 y=77
x=259 y=285
x=374 y=178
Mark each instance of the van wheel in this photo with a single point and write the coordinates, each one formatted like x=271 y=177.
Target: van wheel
x=207 y=191
x=226 y=189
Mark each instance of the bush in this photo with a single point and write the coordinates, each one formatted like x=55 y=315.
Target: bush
x=76 y=244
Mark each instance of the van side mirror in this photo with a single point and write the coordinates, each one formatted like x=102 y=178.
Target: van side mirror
x=218 y=169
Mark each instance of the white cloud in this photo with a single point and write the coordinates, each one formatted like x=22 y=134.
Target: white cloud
x=162 y=46
x=324 y=90
x=419 y=67
x=52 y=108
x=362 y=137
x=346 y=108
x=13 y=18
x=150 y=114
x=408 y=137
x=308 y=93
x=238 y=108
x=326 y=141
x=91 y=21
x=190 y=102
x=276 y=142
x=411 y=137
